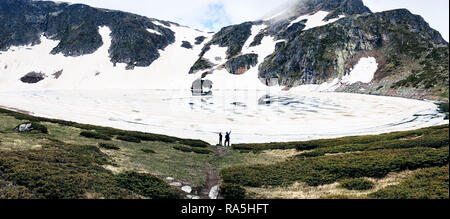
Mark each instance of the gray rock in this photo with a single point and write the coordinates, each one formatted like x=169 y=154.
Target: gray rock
x=199 y=40
x=170 y=179
x=186 y=45
x=25 y=127
x=201 y=87
x=214 y=192
x=195 y=197
x=32 y=77
x=176 y=184
x=186 y=189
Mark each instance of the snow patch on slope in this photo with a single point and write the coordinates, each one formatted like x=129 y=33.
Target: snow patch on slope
x=216 y=54
x=363 y=71
x=223 y=80
x=95 y=71
x=154 y=31
x=315 y=20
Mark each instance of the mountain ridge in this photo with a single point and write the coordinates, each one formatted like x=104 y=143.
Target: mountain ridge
x=298 y=47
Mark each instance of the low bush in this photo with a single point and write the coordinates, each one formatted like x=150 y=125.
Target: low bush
x=432 y=141
x=329 y=169
x=71 y=172
x=430 y=183
x=128 y=138
x=231 y=191
x=95 y=135
x=39 y=127
x=192 y=149
x=201 y=151
x=314 y=144
x=357 y=184
x=182 y=148
x=108 y=146
x=147 y=185
x=194 y=143
x=148 y=151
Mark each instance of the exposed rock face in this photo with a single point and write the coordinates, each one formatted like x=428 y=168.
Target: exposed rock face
x=76 y=26
x=186 y=45
x=241 y=64
x=199 y=40
x=232 y=37
x=201 y=64
x=32 y=78
x=323 y=53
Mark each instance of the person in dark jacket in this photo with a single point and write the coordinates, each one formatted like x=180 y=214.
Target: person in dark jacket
x=220 y=139
x=227 y=139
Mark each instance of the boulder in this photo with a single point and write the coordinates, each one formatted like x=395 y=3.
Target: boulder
x=186 y=189
x=199 y=40
x=214 y=192
x=186 y=45
x=202 y=87
x=176 y=184
x=25 y=127
x=32 y=77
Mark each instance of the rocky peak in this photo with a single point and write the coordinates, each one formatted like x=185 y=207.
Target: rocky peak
x=347 y=7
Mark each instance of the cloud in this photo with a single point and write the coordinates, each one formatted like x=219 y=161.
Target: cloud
x=211 y=15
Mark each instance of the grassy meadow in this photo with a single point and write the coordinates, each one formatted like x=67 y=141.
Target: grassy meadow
x=67 y=160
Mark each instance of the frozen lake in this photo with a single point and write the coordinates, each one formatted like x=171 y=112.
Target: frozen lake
x=252 y=116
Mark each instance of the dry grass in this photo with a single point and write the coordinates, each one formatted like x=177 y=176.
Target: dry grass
x=235 y=157
x=300 y=190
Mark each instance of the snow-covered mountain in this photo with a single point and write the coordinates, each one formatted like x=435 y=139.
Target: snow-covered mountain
x=324 y=45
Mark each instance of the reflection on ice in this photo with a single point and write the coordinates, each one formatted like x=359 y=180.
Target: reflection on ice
x=253 y=116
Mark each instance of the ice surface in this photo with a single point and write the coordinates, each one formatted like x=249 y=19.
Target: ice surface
x=253 y=116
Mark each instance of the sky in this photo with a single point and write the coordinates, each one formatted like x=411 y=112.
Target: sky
x=211 y=15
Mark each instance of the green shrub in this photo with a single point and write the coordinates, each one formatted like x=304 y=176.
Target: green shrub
x=192 y=149
x=430 y=183
x=438 y=139
x=95 y=135
x=128 y=138
x=201 y=151
x=329 y=169
x=182 y=148
x=231 y=191
x=147 y=185
x=70 y=172
x=357 y=184
x=314 y=144
x=148 y=151
x=194 y=143
x=108 y=146
x=39 y=127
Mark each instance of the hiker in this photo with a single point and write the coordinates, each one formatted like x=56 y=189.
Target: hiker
x=220 y=139
x=227 y=139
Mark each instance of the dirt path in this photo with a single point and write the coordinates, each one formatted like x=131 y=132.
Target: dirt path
x=212 y=176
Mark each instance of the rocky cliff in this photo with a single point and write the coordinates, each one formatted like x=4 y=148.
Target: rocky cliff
x=76 y=27
x=339 y=45
x=320 y=41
